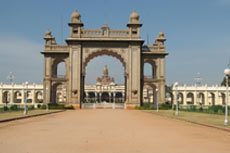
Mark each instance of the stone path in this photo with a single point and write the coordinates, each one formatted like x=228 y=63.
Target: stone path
x=109 y=131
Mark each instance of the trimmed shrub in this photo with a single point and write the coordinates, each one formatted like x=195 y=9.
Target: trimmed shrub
x=39 y=106
x=56 y=106
x=165 y=106
x=13 y=107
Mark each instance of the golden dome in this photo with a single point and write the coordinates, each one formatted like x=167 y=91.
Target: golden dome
x=105 y=71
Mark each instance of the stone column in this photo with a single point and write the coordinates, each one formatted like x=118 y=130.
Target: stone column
x=114 y=97
x=174 y=97
x=195 y=95
x=1 y=96
x=206 y=102
x=33 y=96
x=47 y=80
x=23 y=96
x=100 y=96
x=11 y=96
x=185 y=98
x=87 y=96
x=217 y=101
x=109 y=96
x=76 y=80
x=123 y=96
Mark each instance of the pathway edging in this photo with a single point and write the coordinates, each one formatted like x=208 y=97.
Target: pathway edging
x=202 y=124
x=29 y=116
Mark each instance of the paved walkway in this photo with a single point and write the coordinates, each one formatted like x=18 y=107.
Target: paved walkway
x=109 y=131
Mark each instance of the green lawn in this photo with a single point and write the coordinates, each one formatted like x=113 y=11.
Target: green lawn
x=202 y=118
x=15 y=114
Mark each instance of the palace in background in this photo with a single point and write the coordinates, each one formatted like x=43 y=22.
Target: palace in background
x=105 y=90
x=198 y=95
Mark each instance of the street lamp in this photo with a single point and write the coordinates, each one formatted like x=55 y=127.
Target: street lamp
x=227 y=75
x=157 y=100
x=25 y=105
x=47 y=106
x=176 y=86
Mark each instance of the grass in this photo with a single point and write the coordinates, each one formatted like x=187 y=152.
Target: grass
x=201 y=118
x=16 y=114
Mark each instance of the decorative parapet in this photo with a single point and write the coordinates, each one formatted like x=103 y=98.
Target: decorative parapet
x=154 y=49
x=56 y=47
x=97 y=33
x=200 y=88
x=21 y=86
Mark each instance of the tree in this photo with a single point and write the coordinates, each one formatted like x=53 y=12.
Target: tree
x=223 y=83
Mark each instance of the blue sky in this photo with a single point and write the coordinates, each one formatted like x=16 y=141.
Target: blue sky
x=197 y=32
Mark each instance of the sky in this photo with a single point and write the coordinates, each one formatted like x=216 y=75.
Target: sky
x=197 y=32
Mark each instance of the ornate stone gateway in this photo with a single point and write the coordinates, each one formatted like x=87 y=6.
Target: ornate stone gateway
x=85 y=44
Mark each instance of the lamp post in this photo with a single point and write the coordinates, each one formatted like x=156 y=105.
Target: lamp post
x=114 y=103
x=176 y=86
x=25 y=105
x=227 y=75
x=47 y=106
x=157 y=100
x=11 y=77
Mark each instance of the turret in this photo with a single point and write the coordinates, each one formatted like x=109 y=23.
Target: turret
x=160 y=40
x=105 y=71
x=134 y=25
x=49 y=39
x=75 y=25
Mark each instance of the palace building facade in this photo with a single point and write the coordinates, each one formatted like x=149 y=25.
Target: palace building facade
x=105 y=90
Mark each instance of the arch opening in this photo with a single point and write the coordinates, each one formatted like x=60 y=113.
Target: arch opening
x=38 y=97
x=17 y=97
x=107 y=81
x=6 y=97
x=59 y=69
x=190 y=98
x=180 y=98
x=201 y=98
x=58 y=93
x=149 y=94
x=149 y=69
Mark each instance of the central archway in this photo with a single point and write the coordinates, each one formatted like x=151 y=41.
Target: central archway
x=84 y=44
x=101 y=53
x=105 y=91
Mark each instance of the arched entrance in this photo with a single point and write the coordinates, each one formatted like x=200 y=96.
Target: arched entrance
x=84 y=44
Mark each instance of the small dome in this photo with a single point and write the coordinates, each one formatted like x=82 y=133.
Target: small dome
x=105 y=26
x=48 y=33
x=161 y=34
x=76 y=15
x=134 y=15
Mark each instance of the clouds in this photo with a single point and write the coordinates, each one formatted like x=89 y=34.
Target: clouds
x=22 y=57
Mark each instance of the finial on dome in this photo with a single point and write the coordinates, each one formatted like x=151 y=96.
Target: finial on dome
x=76 y=17
x=161 y=34
x=134 y=17
x=48 y=33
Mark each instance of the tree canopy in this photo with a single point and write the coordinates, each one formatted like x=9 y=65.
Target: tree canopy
x=223 y=83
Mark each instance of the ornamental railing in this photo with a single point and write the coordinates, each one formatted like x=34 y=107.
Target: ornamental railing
x=104 y=33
